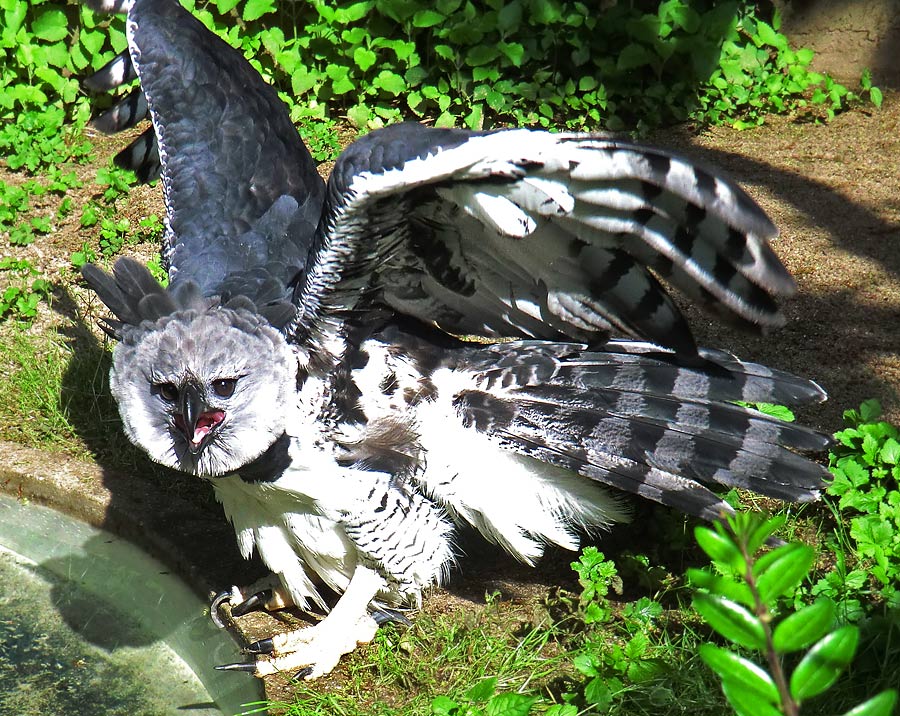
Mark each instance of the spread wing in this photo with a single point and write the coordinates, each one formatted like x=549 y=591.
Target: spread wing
x=532 y=234
x=242 y=193
x=510 y=233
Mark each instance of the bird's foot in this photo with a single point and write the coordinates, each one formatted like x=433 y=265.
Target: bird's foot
x=311 y=652
x=267 y=594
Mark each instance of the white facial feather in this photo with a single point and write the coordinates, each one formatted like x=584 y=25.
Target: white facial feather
x=202 y=347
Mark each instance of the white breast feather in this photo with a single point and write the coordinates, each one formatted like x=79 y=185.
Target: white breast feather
x=513 y=500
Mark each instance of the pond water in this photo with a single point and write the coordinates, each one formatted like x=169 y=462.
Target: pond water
x=92 y=626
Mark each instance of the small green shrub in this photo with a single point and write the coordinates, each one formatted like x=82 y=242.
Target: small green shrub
x=24 y=292
x=865 y=465
x=744 y=601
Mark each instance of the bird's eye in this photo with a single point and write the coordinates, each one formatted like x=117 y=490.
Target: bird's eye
x=224 y=387
x=168 y=391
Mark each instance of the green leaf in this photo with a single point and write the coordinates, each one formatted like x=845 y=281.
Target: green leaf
x=890 y=451
x=51 y=25
x=427 y=18
x=821 y=666
x=876 y=96
x=731 y=620
x=869 y=410
x=359 y=115
x=746 y=702
x=509 y=17
x=720 y=548
x=782 y=412
x=784 y=569
x=481 y=55
x=767 y=35
x=255 y=9
x=353 y=13
x=445 y=52
x=632 y=56
x=445 y=120
x=562 y=710
x=597 y=692
x=364 y=58
x=390 y=82
x=802 y=628
x=509 y=705
x=515 y=53
x=475 y=119
x=92 y=40
x=880 y=705
x=731 y=667
x=483 y=690
x=444 y=706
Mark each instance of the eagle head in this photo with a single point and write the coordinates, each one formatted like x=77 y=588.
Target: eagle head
x=202 y=386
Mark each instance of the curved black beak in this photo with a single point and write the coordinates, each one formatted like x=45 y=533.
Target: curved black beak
x=192 y=407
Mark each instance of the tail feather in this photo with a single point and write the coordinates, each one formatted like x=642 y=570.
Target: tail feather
x=126 y=113
x=115 y=73
x=142 y=157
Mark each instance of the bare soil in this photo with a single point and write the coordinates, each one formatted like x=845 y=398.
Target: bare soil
x=834 y=191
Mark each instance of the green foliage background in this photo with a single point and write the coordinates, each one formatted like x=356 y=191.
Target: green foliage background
x=558 y=63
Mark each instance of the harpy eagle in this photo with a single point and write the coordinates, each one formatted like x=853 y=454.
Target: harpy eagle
x=305 y=359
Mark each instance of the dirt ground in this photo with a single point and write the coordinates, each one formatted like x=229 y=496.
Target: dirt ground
x=834 y=191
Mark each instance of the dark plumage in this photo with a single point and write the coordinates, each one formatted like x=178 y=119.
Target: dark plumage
x=295 y=360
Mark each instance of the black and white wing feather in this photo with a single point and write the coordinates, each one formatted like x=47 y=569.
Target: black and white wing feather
x=645 y=421
x=532 y=234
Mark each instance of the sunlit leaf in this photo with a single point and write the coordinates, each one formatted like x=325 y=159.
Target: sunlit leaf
x=731 y=620
x=782 y=569
x=746 y=702
x=802 y=628
x=720 y=548
x=821 y=666
x=880 y=705
x=731 y=667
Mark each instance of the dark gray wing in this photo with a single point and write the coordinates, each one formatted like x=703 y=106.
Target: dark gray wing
x=242 y=193
x=528 y=233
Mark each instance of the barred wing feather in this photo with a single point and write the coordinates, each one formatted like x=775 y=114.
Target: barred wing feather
x=532 y=234
x=647 y=422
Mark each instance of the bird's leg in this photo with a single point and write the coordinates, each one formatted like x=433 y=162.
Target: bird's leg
x=316 y=650
x=267 y=593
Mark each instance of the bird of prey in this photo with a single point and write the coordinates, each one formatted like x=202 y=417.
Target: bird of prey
x=307 y=358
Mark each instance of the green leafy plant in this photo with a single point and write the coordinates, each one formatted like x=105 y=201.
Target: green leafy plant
x=41 y=139
x=865 y=465
x=155 y=265
x=483 y=700
x=113 y=234
x=84 y=255
x=597 y=576
x=24 y=292
x=115 y=182
x=743 y=601
x=758 y=73
x=529 y=62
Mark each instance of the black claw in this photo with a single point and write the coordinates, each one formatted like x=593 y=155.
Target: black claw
x=388 y=616
x=239 y=666
x=252 y=602
x=217 y=602
x=303 y=673
x=263 y=646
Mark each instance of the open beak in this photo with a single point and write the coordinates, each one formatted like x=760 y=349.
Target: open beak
x=196 y=421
